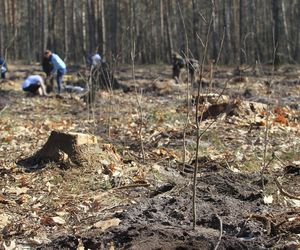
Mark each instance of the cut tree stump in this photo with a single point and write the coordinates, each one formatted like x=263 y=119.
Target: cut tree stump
x=60 y=144
x=214 y=110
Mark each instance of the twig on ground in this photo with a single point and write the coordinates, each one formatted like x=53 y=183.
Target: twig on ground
x=268 y=223
x=281 y=161
x=2 y=110
x=221 y=232
x=284 y=192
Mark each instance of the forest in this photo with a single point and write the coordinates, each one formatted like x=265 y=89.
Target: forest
x=246 y=31
x=149 y=124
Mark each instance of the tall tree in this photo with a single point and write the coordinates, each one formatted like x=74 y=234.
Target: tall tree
x=214 y=31
x=227 y=11
x=169 y=31
x=103 y=28
x=286 y=32
x=66 y=33
x=76 y=27
x=276 y=25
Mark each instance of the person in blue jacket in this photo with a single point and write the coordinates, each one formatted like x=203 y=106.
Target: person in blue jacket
x=59 y=67
x=96 y=60
x=3 y=67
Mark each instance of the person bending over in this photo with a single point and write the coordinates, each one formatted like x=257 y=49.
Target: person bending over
x=34 y=84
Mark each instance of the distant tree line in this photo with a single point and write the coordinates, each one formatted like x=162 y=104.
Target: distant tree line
x=240 y=31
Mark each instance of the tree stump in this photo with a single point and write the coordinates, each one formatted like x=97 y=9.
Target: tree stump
x=60 y=144
x=214 y=110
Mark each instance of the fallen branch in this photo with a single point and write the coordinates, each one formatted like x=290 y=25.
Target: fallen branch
x=281 y=161
x=284 y=192
x=6 y=106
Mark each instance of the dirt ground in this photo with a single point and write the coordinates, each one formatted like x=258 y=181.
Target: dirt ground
x=134 y=188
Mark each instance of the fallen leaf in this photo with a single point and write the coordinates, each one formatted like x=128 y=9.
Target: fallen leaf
x=293 y=202
x=49 y=185
x=40 y=239
x=80 y=245
x=294 y=218
x=4 y=220
x=23 y=199
x=268 y=199
x=17 y=190
x=58 y=220
x=3 y=199
x=62 y=213
x=282 y=120
x=12 y=245
x=47 y=221
x=103 y=225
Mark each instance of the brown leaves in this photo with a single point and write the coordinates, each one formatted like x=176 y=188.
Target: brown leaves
x=52 y=221
x=164 y=152
x=47 y=221
x=4 y=199
x=281 y=119
x=4 y=220
x=103 y=225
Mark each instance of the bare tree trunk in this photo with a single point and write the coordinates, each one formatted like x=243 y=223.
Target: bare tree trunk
x=29 y=32
x=84 y=39
x=115 y=29
x=91 y=25
x=132 y=26
x=214 y=32
x=241 y=35
x=228 y=43
x=257 y=54
x=2 y=21
x=153 y=45
x=195 y=29
x=162 y=28
x=297 y=49
x=103 y=28
x=276 y=23
x=286 y=33
x=6 y=22
x=66 y=28
x=169 y=32
x=13 y=7
x=51 y=37
x=235 y=31
x=75 y=34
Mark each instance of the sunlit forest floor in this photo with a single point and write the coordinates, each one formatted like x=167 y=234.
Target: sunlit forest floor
x=134 y=189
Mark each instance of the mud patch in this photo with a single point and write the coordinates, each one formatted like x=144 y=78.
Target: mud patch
x=164 y=221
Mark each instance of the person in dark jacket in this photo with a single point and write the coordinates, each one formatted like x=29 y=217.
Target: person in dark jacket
x=59 y=67
x=47 y=68
x=3 y=67
x=178 y=63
